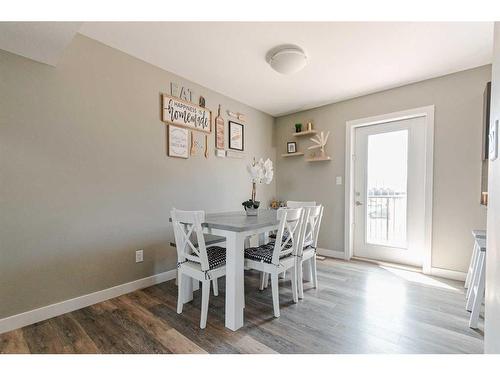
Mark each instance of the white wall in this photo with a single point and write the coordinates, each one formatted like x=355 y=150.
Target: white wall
x=458 y=100
x=492 y=311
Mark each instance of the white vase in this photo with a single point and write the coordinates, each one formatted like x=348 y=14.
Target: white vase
x=251 y=211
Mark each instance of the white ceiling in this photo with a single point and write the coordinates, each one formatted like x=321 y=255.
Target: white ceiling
x=346 y=59
x=41 y=41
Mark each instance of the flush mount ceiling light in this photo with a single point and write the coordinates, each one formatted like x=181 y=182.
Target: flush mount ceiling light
x=287 y=59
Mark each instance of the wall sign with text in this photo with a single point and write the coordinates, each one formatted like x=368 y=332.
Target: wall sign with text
x=188 y=115
x=178 y=142
x=236 y=136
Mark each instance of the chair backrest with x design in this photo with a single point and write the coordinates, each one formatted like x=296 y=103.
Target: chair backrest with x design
x=310 y=228
x=187 y=226
x=287 y=238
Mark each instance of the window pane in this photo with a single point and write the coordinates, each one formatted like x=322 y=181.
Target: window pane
x=387 y=188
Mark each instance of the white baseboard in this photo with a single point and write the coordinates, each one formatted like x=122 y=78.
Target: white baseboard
x=448 y=274
x=331 y=253
x=29 y=317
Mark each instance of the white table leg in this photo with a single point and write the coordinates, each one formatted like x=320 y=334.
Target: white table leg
x=234 y=280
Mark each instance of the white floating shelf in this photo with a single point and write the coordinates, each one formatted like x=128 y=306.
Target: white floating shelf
x=305 y=132
x=327 y=158
x=292 y=154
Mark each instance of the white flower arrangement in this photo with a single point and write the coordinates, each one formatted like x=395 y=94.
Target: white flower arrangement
x=260 y=172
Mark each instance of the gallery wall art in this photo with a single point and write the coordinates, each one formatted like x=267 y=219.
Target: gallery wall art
x=236 y=136
x=219 y=131
x=178 y=142
x=179 y=112
x=199 y=144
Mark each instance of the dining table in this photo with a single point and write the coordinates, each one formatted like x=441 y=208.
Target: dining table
x=236 y=227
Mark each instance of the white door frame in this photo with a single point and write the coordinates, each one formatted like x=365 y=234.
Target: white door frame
x=428 y=113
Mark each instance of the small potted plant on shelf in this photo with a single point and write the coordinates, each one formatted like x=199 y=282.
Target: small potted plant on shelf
x=260 y=173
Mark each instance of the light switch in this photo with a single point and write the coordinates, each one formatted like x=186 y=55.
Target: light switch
x=338 y=180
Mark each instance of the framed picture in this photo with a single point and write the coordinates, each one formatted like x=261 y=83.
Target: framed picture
x=236 y=136
x=178 y=142
x=291 y=147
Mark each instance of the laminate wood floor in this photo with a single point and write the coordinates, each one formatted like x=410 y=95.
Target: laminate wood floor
x=358 y=308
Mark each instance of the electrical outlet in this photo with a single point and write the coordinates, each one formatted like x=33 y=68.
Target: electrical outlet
x=139 y=256
x=338 y=180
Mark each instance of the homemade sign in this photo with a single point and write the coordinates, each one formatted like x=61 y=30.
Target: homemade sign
x=178 y=142
x=179 y=112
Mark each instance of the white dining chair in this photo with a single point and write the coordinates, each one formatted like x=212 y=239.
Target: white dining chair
x=308 y=243
x=276 y=257
x=198 y=262
x=289 y=204
x=294 y=204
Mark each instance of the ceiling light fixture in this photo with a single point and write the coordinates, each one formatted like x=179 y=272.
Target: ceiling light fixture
x=287 y=59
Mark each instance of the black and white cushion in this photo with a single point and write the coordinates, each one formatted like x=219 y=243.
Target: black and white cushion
x=216 y=256
x=263 y=253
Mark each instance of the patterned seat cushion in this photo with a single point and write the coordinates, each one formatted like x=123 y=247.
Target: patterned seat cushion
x=216 y=257
x=263 y=253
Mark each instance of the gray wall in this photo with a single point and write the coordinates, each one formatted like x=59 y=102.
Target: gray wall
x=458 y=100
x=492 y=306
x=84 y=176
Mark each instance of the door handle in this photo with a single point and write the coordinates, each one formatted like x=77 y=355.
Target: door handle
x=358 y=203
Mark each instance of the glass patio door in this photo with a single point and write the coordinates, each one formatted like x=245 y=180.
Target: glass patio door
x=389 y=191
